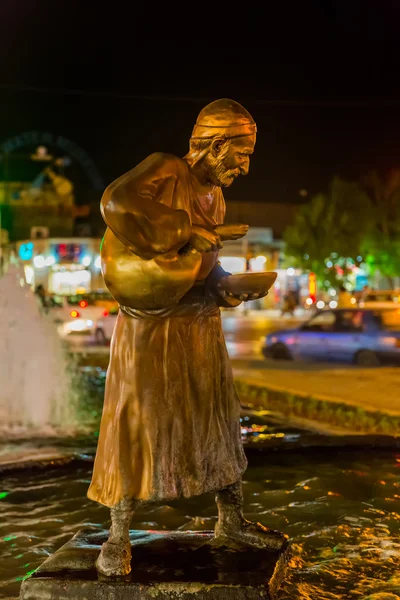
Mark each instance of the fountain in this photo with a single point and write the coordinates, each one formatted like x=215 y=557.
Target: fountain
x=36 y=394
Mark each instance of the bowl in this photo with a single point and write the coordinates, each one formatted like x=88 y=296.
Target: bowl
x=249 y=283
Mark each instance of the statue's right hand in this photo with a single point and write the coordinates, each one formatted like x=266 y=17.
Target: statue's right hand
x=204 y=240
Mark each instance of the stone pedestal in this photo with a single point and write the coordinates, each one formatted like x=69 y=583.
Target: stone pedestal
x=165 y=564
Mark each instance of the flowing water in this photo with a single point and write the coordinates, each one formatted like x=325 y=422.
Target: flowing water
x=341 y=510
x=32 y=358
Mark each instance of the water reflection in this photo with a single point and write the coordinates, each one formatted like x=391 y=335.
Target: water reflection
x=341 y=510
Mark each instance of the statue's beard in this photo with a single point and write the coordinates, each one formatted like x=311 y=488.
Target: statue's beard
x=219 y=174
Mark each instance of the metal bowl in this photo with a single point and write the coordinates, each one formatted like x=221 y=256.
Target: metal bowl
x=249 y=283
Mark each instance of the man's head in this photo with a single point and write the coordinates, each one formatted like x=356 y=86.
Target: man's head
x=223 y=138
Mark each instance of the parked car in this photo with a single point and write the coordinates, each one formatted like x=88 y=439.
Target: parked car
x=104 y=326
x=362 y=336
x=80 y=312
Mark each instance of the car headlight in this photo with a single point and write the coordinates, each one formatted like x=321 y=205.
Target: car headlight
x=79 y=325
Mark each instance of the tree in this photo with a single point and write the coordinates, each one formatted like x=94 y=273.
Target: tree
x=381 y=245
x=328 y=233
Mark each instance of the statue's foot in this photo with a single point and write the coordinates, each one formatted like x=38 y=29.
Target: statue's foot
x=114 y=559
x=248 y=534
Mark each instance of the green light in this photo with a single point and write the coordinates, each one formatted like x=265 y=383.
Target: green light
x=29 y=573
x=3 y=495
x=9 y=537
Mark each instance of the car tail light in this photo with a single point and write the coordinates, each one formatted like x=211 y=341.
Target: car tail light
x=83 y=303
x=74 y=314
x=105 y=313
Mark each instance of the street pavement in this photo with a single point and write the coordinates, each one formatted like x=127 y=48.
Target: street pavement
x=245 y=333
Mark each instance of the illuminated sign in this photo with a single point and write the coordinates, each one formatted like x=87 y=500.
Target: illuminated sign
x=44 y=138
x=26 y=251
x=67 y=252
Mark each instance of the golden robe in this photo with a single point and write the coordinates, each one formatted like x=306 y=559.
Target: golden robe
x=170 y=426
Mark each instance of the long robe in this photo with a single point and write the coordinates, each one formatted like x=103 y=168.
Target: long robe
x=170 y=425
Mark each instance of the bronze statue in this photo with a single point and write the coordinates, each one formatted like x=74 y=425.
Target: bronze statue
x=170 y=426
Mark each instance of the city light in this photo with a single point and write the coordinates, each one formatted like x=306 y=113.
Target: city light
x=233 y=264
x=258 y=263
x=320 y=304
x=39 y=261
x=49 y=261
x=86 y=260
x=333 y=304
x=309 y=301
x=97 y=262
x=290 y=271
x=26 y=251
x=29 y=274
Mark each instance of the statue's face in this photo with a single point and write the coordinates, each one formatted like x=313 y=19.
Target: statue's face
x=227 y=161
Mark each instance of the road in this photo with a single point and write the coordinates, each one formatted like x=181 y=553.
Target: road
x=244 y=334
x=244 y=338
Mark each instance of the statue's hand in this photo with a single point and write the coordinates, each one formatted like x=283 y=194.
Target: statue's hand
x=242 y=297
x=231 y=232
x=203 y=240
x=248 y=297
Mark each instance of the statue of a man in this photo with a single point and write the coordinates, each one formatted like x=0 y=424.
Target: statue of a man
x=170 y=426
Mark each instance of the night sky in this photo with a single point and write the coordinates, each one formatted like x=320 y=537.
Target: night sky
x=323 y=84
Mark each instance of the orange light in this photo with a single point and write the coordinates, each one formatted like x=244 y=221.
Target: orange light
x=83 y=303
x=74 y=314
x=312 y=286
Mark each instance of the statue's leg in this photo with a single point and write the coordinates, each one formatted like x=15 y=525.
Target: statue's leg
x=115 y=556
x=233 y=530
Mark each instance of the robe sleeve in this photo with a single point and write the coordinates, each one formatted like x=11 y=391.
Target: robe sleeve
x=138 y=208
x=211 y=288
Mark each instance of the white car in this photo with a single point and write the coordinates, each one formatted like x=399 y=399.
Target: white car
x=104 y=326
x=79 y=314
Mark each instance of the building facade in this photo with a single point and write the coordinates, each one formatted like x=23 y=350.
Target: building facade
x=62 y=265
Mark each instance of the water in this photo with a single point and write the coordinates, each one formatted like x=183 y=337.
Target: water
x=340 y=509
x=35 y=390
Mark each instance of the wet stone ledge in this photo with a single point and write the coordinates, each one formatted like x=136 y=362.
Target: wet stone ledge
x=179 y=565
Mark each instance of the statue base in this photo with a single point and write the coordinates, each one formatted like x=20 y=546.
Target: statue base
x=165 y=564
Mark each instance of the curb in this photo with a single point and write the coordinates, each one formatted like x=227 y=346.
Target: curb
x=316 y=410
